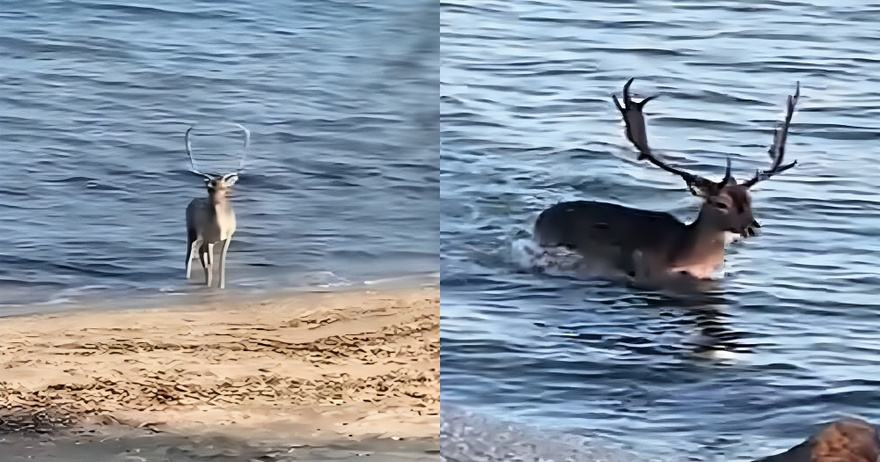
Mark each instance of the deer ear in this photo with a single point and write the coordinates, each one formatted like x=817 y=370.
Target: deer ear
x=703 y=188
x=230 y=178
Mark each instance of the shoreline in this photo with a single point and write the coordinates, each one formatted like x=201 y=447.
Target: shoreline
x=315 y=367
x=471 y=436
x=191 y=292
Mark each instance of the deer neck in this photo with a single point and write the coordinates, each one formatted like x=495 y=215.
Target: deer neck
x=702 y=244
x=217 y=198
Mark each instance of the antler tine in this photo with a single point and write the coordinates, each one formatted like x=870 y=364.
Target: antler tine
x=247 y=140
x=192 y=161
x=777 y=149
x=727 y=175
x=637 y=134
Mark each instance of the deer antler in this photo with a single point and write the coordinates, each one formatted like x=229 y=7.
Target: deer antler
x=247 y=141
x=777 y=149
x=638 y=135
x=192 y=161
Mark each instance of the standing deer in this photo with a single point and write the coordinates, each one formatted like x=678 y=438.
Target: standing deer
x=211 y=220
x=655 y=246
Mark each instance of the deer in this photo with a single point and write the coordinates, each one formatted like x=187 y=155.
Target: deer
x=646 y=245
x=211 y=220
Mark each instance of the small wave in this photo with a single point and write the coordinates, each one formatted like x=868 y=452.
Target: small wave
x=325 y=279
x=528 y=254
x=77 y=292
x=559 y=261
x=714 y=347
x=410 y=279
x=297 y=280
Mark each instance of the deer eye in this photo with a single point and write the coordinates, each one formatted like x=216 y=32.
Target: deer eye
x=721 y=205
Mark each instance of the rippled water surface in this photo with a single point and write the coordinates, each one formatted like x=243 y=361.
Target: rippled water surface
x=340 y=182
x=527 y=121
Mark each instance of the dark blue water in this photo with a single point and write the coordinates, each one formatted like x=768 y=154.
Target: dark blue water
x=786 y=340
x=340 y=181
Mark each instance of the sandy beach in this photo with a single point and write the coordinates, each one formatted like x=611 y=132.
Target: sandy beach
x=354 y=371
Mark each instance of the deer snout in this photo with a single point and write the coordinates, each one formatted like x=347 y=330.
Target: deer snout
x=746 y=226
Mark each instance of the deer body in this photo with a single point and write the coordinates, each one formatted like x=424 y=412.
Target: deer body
x=212 y=218
x=650 y=245
x=641 y=243
x=209 y=221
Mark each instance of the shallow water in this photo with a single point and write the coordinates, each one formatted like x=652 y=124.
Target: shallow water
x=785 y=341
x=469 y=437
x=340 y=181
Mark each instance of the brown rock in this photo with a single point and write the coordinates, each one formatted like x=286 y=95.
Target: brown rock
x=845 y=440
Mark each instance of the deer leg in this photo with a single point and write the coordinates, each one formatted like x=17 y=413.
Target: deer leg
x=192 y=243
x=223 y=261
x=209 y=267
x=203 y=257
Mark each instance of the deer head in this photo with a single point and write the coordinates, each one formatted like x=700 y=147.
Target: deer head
x=219 y=186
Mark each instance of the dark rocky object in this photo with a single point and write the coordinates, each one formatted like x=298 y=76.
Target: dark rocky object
x=845 y=440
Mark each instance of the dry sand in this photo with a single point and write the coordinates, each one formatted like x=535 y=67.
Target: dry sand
x=322 y=370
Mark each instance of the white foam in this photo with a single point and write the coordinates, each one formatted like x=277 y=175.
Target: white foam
x=325 y=279
x=528 y=254
x=731 y=237
x=417 y=278
x=720 y=355
x=708 y=347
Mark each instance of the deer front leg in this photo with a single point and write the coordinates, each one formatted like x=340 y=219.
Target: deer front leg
x=209 y=275
x=191 y=245
x=223 y=261
x=205 y=252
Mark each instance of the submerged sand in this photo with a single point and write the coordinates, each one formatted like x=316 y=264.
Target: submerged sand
x=320 y=370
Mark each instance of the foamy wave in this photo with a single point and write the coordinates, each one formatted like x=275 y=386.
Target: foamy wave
x=325 y=279
x=422 y=278
x=528 y=254
x=73 y=293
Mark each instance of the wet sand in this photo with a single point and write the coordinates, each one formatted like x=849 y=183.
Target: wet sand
x=290 y=376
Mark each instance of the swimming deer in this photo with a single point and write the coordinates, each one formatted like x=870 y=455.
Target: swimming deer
x=649 y=245
x=211 y=220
